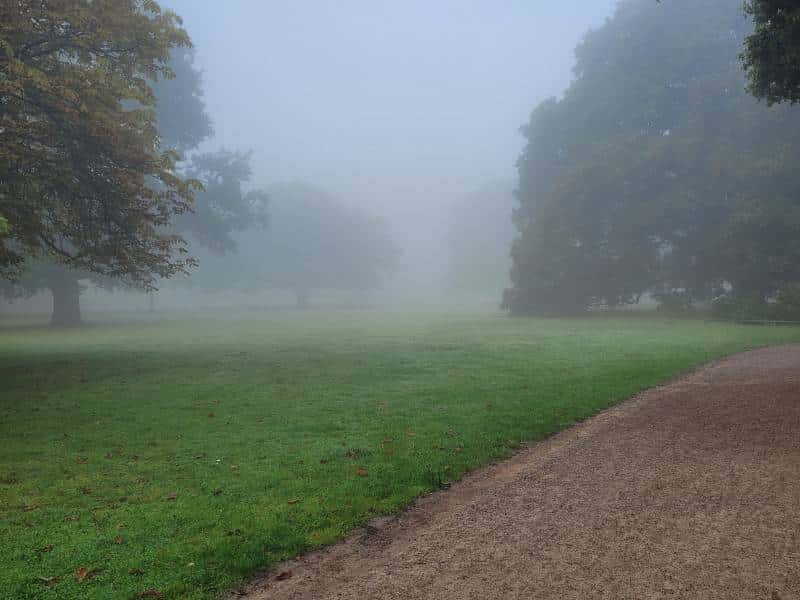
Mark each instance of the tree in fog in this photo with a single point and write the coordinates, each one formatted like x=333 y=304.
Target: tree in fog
x=479 y=240
x=79 y=149
x=314 y=242
x=656 y=171
x=220 y=204
x=772 y=53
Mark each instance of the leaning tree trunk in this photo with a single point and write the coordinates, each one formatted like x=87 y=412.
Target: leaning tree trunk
x=66 y=303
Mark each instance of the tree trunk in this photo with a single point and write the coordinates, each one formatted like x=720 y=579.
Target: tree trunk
x=66 y=303
x=302 y=297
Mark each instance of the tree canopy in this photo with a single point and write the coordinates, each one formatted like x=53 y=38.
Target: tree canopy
x=314 y=242
x=772 y=52
x=656 y=172
x=83 y=178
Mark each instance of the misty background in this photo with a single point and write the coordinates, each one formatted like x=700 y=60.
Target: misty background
x=404 y=109
x=410 y=112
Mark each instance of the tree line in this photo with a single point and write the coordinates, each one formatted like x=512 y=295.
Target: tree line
x=101 y=177
x=657 y=172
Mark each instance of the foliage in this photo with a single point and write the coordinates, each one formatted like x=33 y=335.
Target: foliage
x=79 y=150
x=787 y=304
x=772 y=52
x=181 y=116
x=314 y=242
x=656 y=171
x=741 y=307
x=674 y=302
x=256 y=425
x=224 y=206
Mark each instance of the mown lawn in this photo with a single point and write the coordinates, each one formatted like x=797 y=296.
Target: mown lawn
x=185 y=452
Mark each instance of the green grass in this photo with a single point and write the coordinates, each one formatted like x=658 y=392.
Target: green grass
x=257 y=427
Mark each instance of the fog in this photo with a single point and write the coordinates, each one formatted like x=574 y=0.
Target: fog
x=404 y=111
x=401 y=108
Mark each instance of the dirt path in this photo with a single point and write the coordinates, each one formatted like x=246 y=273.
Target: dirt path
x=691 y=490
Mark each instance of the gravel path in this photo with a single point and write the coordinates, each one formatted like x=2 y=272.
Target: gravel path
x=690 y=490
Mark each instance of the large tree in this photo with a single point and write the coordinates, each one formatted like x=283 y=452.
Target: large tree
x=84 y=181
x=220 y=206
x=656 y=171
x=314 y=242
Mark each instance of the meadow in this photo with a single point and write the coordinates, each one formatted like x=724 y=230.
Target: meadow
x=174 y=455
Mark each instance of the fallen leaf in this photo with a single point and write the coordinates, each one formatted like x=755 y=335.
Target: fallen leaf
x=49 y=581
x=361 y=472
x=119 y=540
x=410 y=433
x=71 y=518
x=387 y=441
x=295 y=501
x=172 y=496
x=136 y=572
x=46 y=548
x=352 y=454
x=283 y=575
x=29 y=507
x=234 y=467
x=81 y=460
x=83 y=573
x=151 y=593
x=86 y=491
x=458 y=449
x=210 y=415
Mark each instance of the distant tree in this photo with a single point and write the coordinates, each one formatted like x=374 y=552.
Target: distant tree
x=79 y=150
x=224 y=207
x=479 y=240
x=220 y=205
x=314 y=242
x=181 y=117
x=656 y=171
x=772 y=52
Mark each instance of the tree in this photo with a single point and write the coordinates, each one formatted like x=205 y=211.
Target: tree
x=771 y=54
x=224 y=207
x=656 y=171
x=314 y=242
x=83 y=180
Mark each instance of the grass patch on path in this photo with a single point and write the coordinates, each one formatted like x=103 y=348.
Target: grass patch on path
x=183 y=454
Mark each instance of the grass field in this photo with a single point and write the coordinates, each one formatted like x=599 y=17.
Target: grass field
x=185 y=452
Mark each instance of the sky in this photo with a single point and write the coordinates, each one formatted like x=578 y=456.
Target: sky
x=401 y=107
